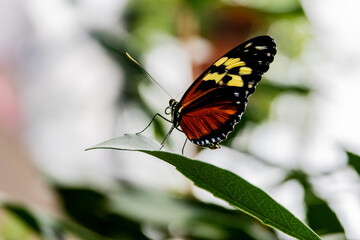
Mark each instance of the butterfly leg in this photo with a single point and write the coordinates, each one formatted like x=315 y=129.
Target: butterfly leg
x=157 y=114
x=166 y=137
x=182 y=150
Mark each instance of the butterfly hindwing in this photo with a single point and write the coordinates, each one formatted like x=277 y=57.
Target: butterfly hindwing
x=210 y=118
x=216 y=100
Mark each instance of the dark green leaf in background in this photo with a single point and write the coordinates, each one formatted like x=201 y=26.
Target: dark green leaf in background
x=24 y=215
x=47 y=226
x=321 y=218
x=88 y=208
x=354 y=161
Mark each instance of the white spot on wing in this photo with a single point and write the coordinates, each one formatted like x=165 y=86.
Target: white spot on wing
x=261 y=47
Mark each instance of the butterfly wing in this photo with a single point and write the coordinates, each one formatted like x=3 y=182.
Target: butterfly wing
x=216 y=100
x=212 y=117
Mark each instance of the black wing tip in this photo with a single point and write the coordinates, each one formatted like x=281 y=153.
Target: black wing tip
x=264 y=39
x=267 y=41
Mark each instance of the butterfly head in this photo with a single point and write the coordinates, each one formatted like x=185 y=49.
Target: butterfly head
x=174 y=111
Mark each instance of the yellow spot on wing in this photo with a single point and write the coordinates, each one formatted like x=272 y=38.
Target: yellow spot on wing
x=248 y=45
x=237 y=64
x=220 y=61
x=214 y=76
x=245 y=71
x=250 y=85
x=231 y=61
x=235 y=81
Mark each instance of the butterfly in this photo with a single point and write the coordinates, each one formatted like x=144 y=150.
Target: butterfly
x=216 y=100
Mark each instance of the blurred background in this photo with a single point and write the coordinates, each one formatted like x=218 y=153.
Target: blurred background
x=66 y=84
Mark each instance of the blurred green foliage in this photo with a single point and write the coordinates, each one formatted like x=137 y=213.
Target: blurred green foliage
x=164 y=214
x=130 y=211
x=133 y=75
x=354 y=161
x=321 y=218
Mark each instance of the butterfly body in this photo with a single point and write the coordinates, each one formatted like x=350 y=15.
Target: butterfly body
x=216 y=100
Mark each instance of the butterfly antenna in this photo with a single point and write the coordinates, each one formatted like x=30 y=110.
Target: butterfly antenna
x=143 y=69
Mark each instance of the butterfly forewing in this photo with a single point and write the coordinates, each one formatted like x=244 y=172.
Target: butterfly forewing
x=216 y=100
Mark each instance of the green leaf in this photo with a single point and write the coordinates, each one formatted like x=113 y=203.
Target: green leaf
x=274 y=6
x=48 y=226
x=24 y=215
x=354 y=161
x=222 y=184
x=87 y=207
x=12 y=227
x=320 y=217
